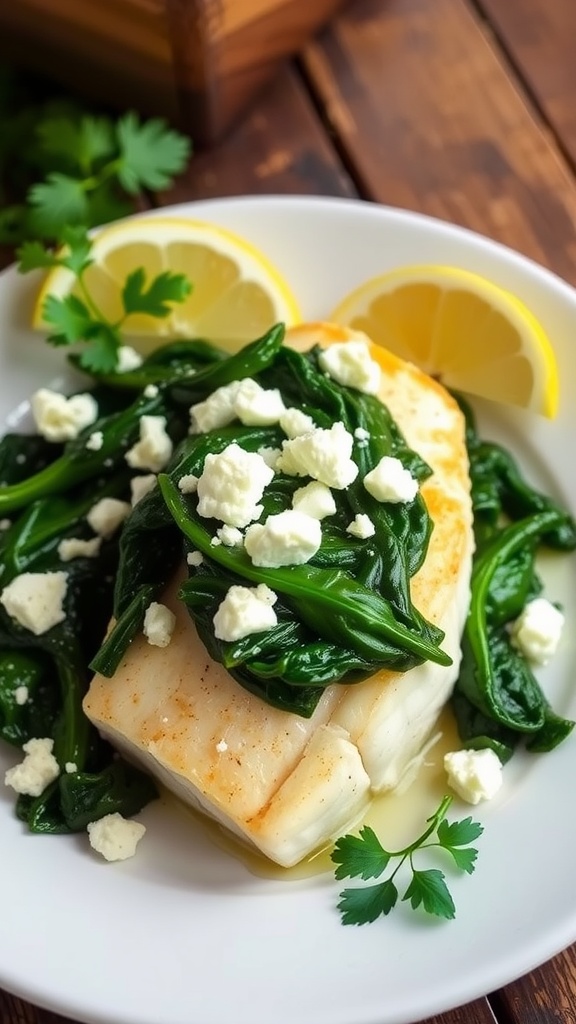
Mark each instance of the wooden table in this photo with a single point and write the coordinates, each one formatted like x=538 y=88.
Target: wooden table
x=464 y=109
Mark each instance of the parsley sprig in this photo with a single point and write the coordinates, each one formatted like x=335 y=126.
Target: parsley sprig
x=80 y=168
x=364 y=857
x=77 y=318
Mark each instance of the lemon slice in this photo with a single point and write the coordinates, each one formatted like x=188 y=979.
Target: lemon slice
x=459 y=327
x=237 y=293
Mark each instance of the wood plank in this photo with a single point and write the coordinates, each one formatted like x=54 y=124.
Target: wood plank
x=430 y=119
x=546 y=996
x=539 y=37
x=478 y=1012
x=225 y=53
x=280 y=146
x=16 y=1011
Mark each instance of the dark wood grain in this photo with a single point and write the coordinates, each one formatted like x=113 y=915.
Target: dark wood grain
x=478 y=1012
x=224 y=52
x=430 y=118
x=16 y=1011
x=545 y=996
x=280 y=147
x=539 y=39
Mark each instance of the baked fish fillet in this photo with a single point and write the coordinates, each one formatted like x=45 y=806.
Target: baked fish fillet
x=285 y=784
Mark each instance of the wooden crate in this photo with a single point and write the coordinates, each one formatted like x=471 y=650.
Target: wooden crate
x=197 y=62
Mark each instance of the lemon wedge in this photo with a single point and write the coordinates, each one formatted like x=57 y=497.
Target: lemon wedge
x=237 y=293
x=461 y=328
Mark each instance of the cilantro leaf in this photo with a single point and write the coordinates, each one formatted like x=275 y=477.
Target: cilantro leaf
x=364 y=904
x=78 y=248
x=69 y=316
x=158 y=297
x=58 y=201
x=100 y=355
x=360 y=856
x=13 y=222
x=34 y=256
x=150 y=153
x=429 y=889
x=106 y=203
x=79 y=143
x=458 y=833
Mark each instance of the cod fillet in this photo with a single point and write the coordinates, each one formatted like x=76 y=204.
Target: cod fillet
x=285 y=784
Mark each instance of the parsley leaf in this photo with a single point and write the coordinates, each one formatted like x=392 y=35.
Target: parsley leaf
x=429 y=889
x=150 y=153
x=76 y=317
x=69 y=318
x=458 y=833
x=364 y=857
x=156 y=299
x=76 y=255
x=100 y=354
x=34 y=256
x=366 y=903
x=360 y=856
x=77 y=143
x=84 y=168
x=58 y=201
x=13 y=221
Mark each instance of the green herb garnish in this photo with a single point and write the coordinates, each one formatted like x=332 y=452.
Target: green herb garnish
x=364 y=857
x=77 y=167
x=77 y=317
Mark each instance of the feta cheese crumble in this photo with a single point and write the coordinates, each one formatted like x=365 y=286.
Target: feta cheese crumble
x=230 y=536
x=115 y=837
x=140 y=486
x=21 y=695
x=474 y=775
x=315 y=499
x=76 y=547
x=194 y=558
x=154 y=448
x=215 y=411
x=537 y=630
x=159 y=623
x=245 y=400
x=294 y=422
x=151 y=391
x=107 y=515
x=288 y=538
x=255 y=406
x=38 y=769
x=59 y=418
x=127 y=358
x=361 y=526
x=350 y=363
x=323 y=454
x=36 y=600
x=243 y=611
x=5 y=524
x=95 y=441
x=188 y=484
x=270 y=456
x=390 y=481
x=231 y=486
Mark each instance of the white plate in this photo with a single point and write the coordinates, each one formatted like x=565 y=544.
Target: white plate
x=183 y=933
